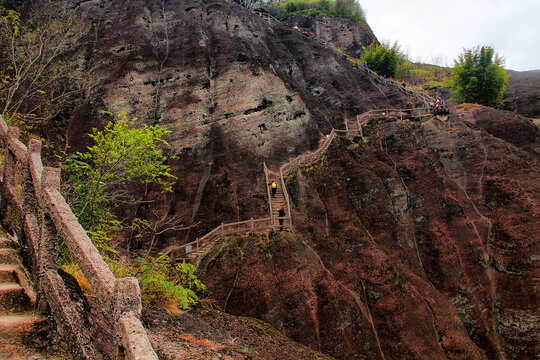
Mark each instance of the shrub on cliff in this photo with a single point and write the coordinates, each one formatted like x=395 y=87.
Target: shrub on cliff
x=124 y=155
x=100 y=179
x=479 y=76
x=383 y=58
x=165 y=285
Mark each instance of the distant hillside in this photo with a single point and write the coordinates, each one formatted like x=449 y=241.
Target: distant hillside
x=522 y=93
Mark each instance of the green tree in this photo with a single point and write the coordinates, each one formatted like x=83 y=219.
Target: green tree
x=101 y=178
x=479 y=76
x=383 y=58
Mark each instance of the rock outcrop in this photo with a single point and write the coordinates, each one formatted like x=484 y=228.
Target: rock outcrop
x=234 y=89
x=420 y=244
x=207 y=334
x=343 y=34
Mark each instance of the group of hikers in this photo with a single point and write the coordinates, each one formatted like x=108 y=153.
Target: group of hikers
x=439 y=107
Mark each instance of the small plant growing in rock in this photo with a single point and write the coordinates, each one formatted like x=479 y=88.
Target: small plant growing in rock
x=167 y=286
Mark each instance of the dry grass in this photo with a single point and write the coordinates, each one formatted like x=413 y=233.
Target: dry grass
x=190 y=338
x=75 y=271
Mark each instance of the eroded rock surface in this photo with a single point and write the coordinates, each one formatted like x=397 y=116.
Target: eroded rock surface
x=522 y=93
x=343 y=34
x=234 y=89
x=421 y=243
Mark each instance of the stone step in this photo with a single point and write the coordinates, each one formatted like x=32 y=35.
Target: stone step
x=20 y=324
x=7 y=274
x=13 y=298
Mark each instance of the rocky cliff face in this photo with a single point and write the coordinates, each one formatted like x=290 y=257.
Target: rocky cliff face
x=343 y=34
x=234 y=89
x=421 y=243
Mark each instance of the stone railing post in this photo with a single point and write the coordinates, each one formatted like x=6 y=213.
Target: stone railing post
x=9 y=158
x=127 y=309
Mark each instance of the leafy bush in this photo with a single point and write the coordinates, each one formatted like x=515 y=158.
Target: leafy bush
x=479 y=76
x=166 y=285
x=163 y=285
x=382 y=58
x=99 y=179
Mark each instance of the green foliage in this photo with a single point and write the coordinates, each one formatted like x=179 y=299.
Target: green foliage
x=383 y=58
x=101 y=178
x=163 y=285
x=35 y=75
x=167 y=285
x=479 y=76
x=348 y=9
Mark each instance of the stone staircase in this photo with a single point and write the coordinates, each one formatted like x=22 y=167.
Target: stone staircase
x=18 y=321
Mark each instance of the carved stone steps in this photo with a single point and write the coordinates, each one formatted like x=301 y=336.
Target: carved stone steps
x=20 y=324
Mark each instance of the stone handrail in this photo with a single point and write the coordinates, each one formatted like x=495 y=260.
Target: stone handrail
x=310 y=158
x=307 y=159
x=37 y=213
x=286 y=195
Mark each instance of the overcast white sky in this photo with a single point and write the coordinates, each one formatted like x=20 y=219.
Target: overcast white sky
x=427 y=30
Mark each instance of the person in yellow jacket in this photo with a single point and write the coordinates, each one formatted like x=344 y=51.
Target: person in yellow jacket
x=273 y=186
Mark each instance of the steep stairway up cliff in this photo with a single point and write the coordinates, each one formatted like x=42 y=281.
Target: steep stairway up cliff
x=278 y=202
x=19 y=323
x=194 y=250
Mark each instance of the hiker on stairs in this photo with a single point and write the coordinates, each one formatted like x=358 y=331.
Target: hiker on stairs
x=281 y=215
x=273 y=186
